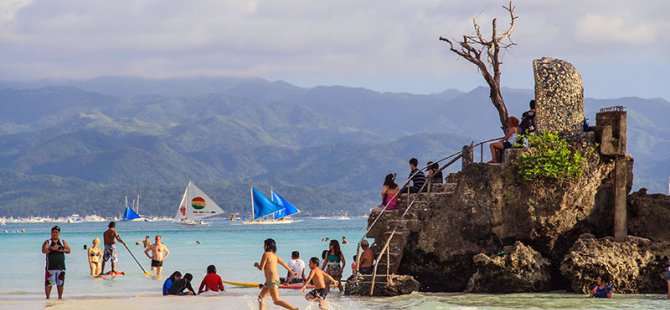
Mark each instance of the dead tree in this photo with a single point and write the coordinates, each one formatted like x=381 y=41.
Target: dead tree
x=472 y=47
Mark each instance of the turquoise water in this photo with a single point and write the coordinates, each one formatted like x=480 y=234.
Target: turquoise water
x=233 y=249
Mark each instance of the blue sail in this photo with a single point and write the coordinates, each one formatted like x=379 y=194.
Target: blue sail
x=130 y=214
x=288 y=210
x=263 y=206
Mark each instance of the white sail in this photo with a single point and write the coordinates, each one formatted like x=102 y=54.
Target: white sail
x=196 y=205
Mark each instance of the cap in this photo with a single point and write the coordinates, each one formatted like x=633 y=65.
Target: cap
x=55 y=228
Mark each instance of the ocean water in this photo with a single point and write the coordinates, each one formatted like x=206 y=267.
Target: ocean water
x=233 y=248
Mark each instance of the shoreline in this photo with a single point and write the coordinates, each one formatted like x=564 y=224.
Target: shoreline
x=246 y=299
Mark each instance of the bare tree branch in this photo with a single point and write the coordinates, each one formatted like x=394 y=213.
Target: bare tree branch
x=471 y=48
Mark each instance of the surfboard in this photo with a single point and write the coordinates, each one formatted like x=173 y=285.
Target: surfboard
x=286 y=286
x=111 y=274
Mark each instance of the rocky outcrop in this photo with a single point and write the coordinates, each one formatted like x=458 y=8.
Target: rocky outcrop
x=649 y=215
x=636 y=265
x=394 y=285
x=517 y=269
x=490 y=208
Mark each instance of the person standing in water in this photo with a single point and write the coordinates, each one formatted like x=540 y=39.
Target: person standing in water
x=109 y=237
x=55 y=250
x=334 y=263
x=159 y=252
x=268 y=265
x=320 y=291
x=94 y=257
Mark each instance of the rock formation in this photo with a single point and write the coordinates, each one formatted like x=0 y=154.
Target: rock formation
x=446 y=239
x=516 y=269
x=392 y=286
x=649 y=215
x=636 y=265
x=559 y=96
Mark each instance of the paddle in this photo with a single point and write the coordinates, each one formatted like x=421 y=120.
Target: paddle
x=138 y=263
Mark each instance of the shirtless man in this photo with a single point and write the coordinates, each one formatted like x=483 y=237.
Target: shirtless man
x=110 y=236
x=159 y=252
x=320 y=291
x=268 y=264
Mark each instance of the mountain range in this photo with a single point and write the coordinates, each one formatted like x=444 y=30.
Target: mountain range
x=81 y=146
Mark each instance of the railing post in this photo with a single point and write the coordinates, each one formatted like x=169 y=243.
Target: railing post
x=481 y=153
x=467 y=155
x=358 y=258
x=388 y=262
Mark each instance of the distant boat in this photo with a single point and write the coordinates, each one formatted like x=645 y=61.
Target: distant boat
x=270 y=211
x=74 y=218
x=130 y=214
x=94 y=218
x=288 y=210
x=343 y=216
x=195 y=206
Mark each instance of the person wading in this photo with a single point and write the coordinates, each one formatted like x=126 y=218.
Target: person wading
x=159 y=252
x=55 y=250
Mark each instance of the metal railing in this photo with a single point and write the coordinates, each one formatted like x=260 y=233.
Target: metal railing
x=386 y=248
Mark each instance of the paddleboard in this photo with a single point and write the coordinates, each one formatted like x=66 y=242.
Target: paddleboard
x=295 y=286
x=111 y=274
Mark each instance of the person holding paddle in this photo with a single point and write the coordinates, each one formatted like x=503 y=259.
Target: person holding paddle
x=110 y=236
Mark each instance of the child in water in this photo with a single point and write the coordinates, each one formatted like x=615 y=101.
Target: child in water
x=602 y=289
x=212 y=281
x=320 y=291
x=268 y=265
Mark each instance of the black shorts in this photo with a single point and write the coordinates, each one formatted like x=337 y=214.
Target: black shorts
x=156 y=263
x=319 y=293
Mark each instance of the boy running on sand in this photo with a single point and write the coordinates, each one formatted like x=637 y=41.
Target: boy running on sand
x=268 y=264
x=318 y=294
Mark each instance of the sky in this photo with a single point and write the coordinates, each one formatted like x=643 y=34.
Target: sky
x=620 y=47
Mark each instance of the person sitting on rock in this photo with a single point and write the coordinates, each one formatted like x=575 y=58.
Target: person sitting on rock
x=434 y=173
x=511 y=136
x=389 y=192
x=417 y=177
x=528 y=119
x=603 y=289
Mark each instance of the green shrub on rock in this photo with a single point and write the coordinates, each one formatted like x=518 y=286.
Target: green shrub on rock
x=550 y=157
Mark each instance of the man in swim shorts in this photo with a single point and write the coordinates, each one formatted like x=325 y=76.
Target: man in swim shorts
x=55 y=250
x=110 y=236
x=159 y=252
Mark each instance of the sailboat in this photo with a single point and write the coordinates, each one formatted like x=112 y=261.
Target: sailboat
x=130 y=214
x=284 y=214
x=195 y=206
x=269 y=211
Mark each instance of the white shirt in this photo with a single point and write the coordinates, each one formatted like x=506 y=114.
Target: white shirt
x=297 y=265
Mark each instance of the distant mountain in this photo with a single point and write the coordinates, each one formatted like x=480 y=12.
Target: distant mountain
x=80 y=146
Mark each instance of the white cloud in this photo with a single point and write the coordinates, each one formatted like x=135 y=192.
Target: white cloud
x=8 y=10
x=349 y=39
x=611 y=30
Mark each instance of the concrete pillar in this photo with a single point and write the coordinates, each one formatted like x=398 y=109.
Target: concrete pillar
x=620 y=210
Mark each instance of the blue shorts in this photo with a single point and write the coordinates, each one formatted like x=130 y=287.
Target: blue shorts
x=507 y=145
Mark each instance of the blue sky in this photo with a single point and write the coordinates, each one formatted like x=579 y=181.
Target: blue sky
x=620 y=47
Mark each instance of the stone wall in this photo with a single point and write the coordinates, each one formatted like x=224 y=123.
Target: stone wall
x=559 y=96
